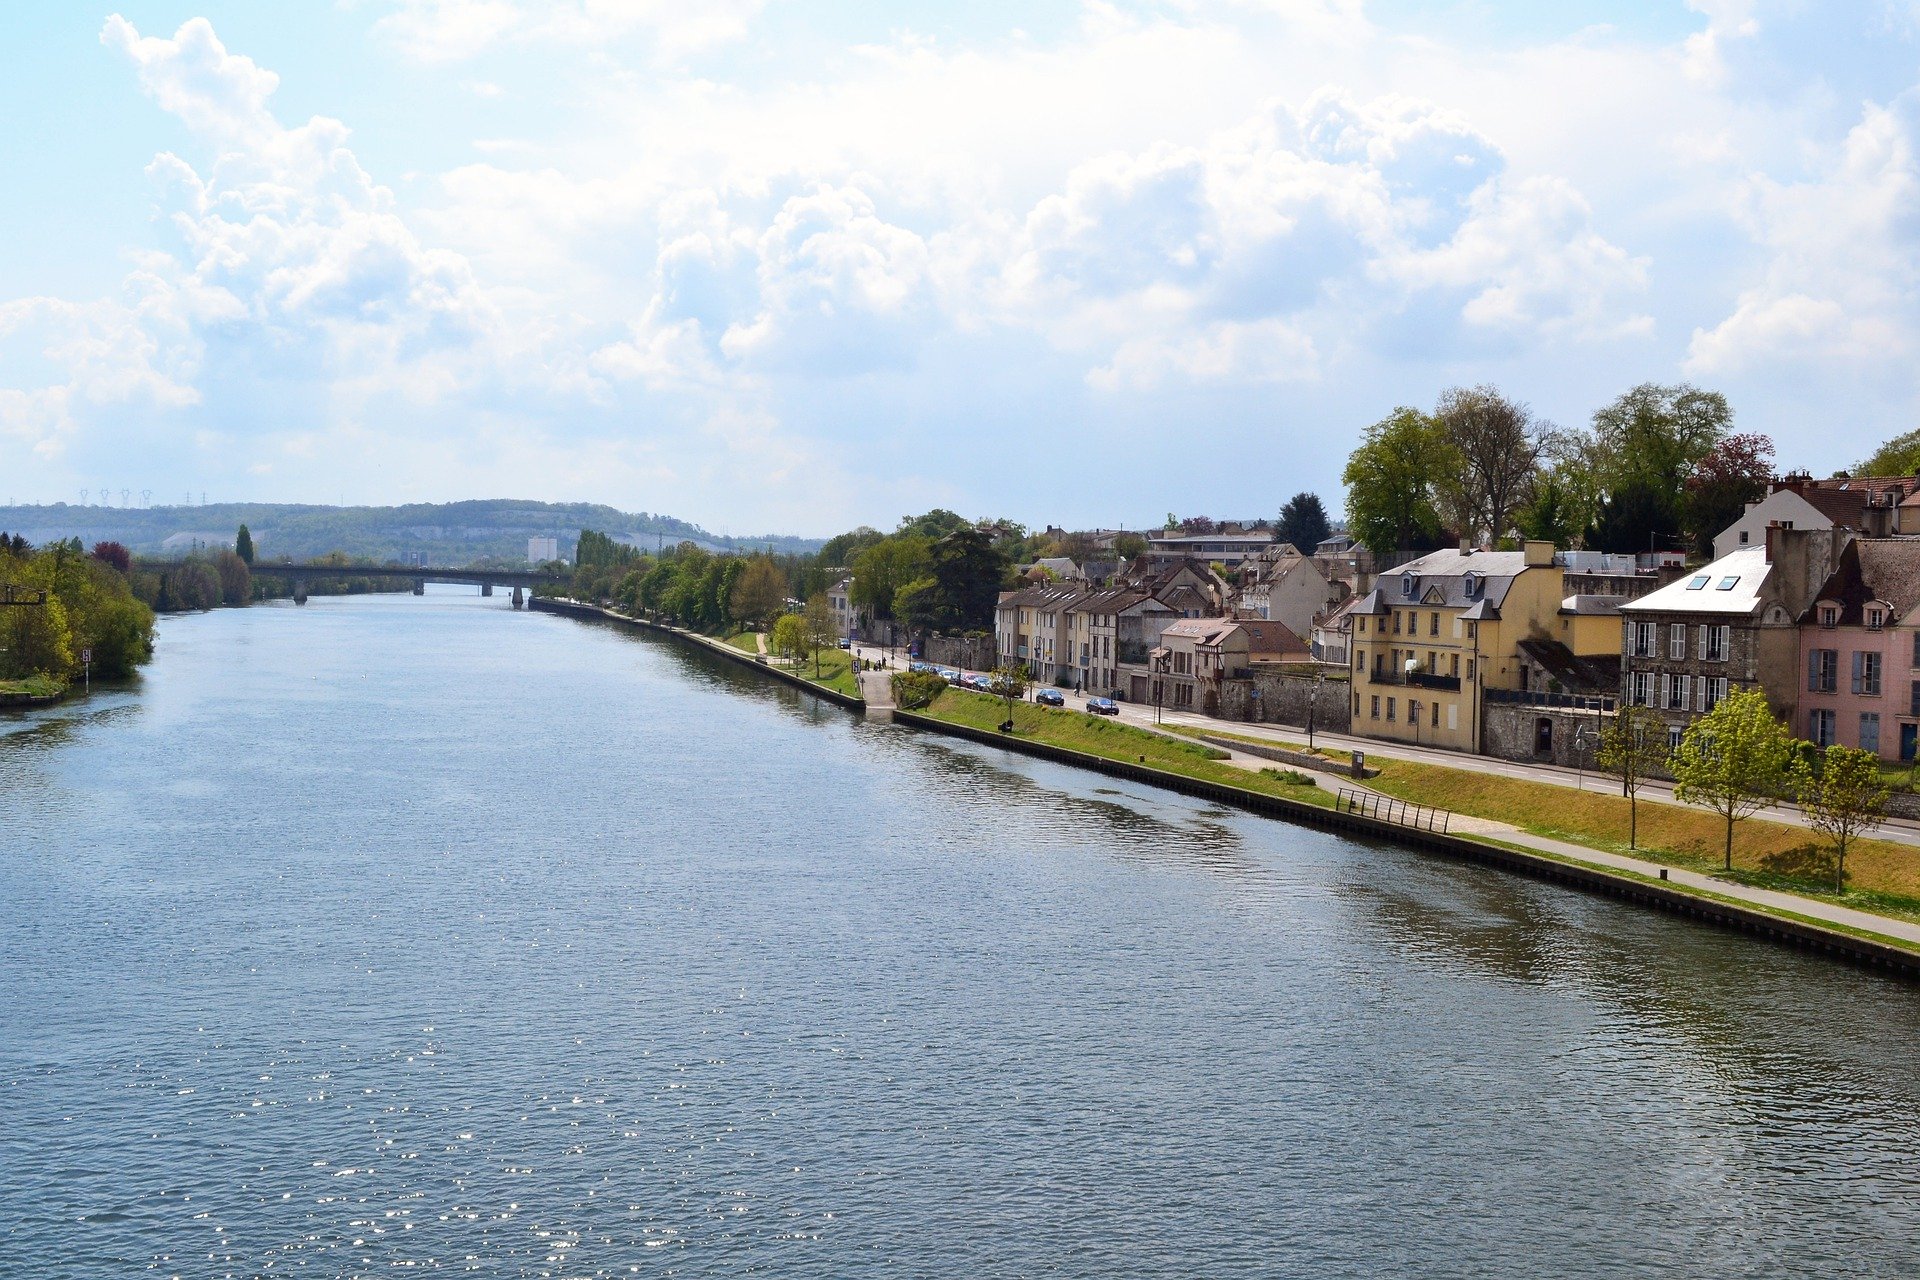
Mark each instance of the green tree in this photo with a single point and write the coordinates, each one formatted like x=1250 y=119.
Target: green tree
x=37 y=641
x=1736 y=471
x=1734 y=760
x=789 y=638
x=236 y=582
x=761 y=592
x=971 y=571
x=1638 y=516
x=1629 y=746
x=882 y=568
x=820 y=631
x=1303 y=522
x=1548 y=514
x=1129 y=546
x=919 y=604
x=243 y=544
x=1655 y=434
x=1012 y=680
x=1390 y=483
x=1842 y=797
x=1899 y=456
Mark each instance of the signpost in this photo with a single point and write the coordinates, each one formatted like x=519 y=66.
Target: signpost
x=86 y=669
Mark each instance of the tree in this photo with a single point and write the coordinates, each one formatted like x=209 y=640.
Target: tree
x=1011 y=680
x=35 y=640
x=820 y=630
x=1303 y=522
x=1629 y=746
x=1735 y=759
x=1390 y=483
x=1639 y=516
x=1195 y=526
x=880 y=570
x=919 y=604
x=971 y=572
x=243 y=544
x=1129 y=546
x=114 y=554
x=1548 y=515
x=236 y=583
x=761 y=592
x=1736 y=471
x=1497 y=444
x=1842 y=798
x=1899 y=456
x=789 y=639
x=1654 y=434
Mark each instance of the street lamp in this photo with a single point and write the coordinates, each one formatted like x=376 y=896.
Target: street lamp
x=1313 y=705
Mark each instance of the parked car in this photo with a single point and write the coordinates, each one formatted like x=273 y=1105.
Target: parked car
x=1050 y=698
x=1102 y=707
x=846 y=644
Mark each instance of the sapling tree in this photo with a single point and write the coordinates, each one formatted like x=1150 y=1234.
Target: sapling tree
x=1734 y=760
x=1842 y=796
x=1629 y=746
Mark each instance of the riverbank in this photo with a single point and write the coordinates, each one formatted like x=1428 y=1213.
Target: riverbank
x=1859 y=943
x=707 y=644
x=34 y=691
x=1204 y=770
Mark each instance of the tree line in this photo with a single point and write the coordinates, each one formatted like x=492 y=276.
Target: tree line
x=1657 y=468
x=89 y=609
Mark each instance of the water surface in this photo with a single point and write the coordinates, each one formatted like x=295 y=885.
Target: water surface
x=398 y=935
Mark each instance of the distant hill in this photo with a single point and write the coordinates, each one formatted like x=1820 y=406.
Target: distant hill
x=447 y=533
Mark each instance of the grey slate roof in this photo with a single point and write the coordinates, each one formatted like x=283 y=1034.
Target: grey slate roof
x=1446 y=572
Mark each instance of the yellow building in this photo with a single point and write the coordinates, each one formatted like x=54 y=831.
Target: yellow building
x=1437 y=632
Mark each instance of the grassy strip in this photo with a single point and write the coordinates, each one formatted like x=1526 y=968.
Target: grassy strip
x=835 y=671
x=1707 y=895
x=746 y=642
x=1196 y=731
x=1111 y=740
x=33 y=686
x=1884 y=877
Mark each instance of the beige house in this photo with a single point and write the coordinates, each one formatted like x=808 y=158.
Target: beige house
x=1281 y=585
x=1196 y=654
x=1436 y=632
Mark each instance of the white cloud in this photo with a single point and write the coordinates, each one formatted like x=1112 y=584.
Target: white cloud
x=450 y=30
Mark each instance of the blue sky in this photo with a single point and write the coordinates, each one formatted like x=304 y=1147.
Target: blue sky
x=777 y=266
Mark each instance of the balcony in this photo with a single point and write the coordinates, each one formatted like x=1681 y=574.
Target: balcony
x=1415 y=680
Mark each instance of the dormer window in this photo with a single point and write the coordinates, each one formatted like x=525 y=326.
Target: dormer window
x=1876 y=617
x=1829 y=615
x=1473 y=586
x=1406 y=585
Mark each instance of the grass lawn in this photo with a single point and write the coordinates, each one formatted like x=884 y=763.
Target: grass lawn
x=1108 y=738
x=1195 y=731
x=1882 y=876
x=836 y=671
x=32 y=686
x=746 y=641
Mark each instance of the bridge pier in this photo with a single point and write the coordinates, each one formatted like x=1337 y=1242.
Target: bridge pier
x=419 y=586
x=519 y=600
x=299 y=592
x=486 y=588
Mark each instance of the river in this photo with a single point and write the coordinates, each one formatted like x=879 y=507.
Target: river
x=397 y=934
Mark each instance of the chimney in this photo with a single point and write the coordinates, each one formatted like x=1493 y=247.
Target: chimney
x=1771 y=526
x=1466 y=546
x=1539 y=553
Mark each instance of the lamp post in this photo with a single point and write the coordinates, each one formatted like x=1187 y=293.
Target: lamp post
x=1313 y=705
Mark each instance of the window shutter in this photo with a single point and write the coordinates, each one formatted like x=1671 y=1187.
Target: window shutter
x=1702 y=694
x=1704 y=629
x=1859 y=669
x=1813 y=671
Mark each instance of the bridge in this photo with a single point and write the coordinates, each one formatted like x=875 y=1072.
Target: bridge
x=299 y=575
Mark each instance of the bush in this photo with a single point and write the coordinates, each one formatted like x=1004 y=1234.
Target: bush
x=1292 y=777
x=913 y=690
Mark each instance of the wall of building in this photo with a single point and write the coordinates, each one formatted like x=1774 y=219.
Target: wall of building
x=972 y=653
x=1273 y=698
x=1512 y=732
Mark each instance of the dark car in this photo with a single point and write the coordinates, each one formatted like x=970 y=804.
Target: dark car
x=1102 y=707
x=1050 y=698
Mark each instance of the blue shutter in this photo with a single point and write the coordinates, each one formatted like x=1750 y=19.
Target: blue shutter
x=1859 y=663
x=1813 y=671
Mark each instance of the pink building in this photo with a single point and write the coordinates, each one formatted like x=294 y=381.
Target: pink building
x=1860 y=652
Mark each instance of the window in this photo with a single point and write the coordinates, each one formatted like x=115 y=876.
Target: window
x=1728 y=584
x=1433 y=625
x=1390 y=706
x=1645 y=640
x=1469 y=668
x=1396 y=622
x=1823 y=670
x=1376 y=706
x=1673 y=734
x=1473 y=585
x=1642 y=691
x=1436 y=715
x=1699 y=582
x=1876 y=618
x=1677 y=642
x=1870 y=731
x=1456 y=666
x=1406 y=585
x=1678 y=687
x=1866 y=673
x=1820 y=727
x=1829 y=615
x=1716 y=693
x=1714 y=643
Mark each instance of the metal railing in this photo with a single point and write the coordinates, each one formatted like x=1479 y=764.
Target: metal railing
x=1570 y=701
x=1387 y=809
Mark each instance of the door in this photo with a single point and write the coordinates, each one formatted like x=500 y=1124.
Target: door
x=1909 y=740
x=1543 y=736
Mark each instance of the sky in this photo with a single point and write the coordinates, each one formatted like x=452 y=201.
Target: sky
x=773 y=266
